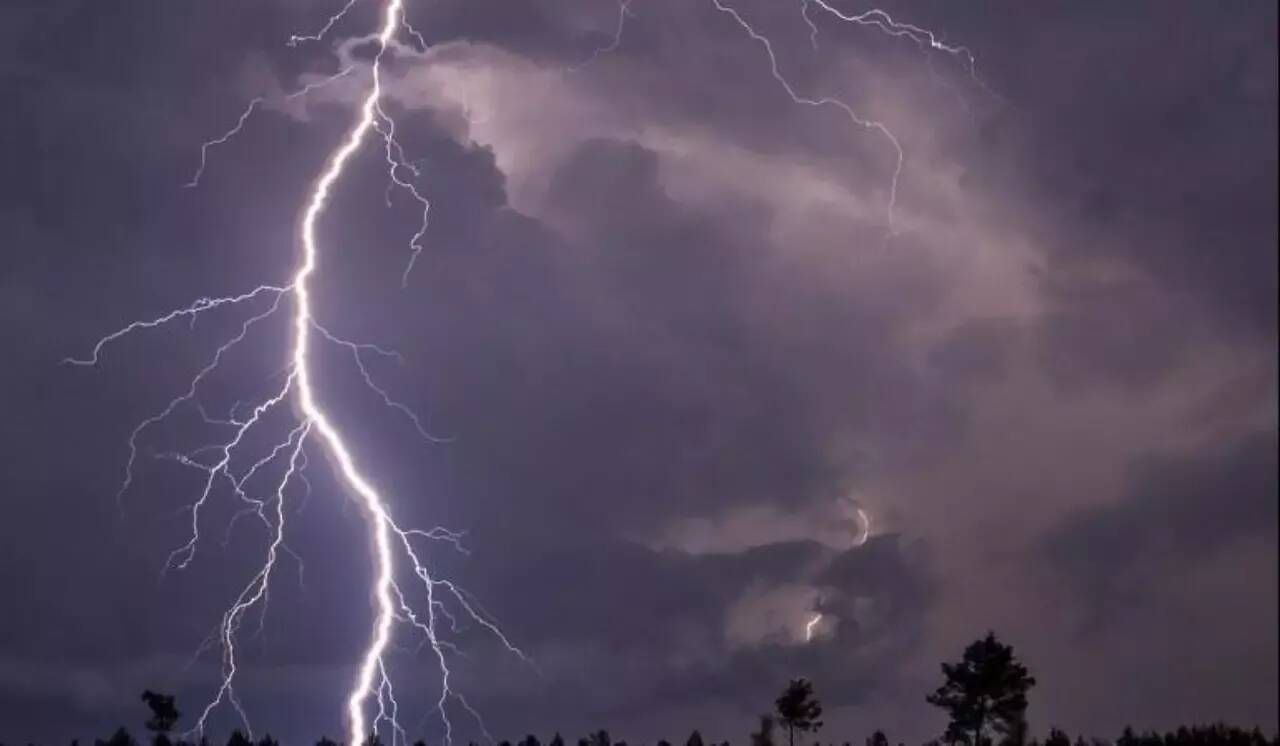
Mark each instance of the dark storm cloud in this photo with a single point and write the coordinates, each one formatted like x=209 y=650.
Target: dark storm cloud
x=657 y=637
x=642 y=327
x=1185 y=562
x=662 y=294
x=1178 y=510
x=667 y=590
x=1156 y=143
x=1110 y=331
x=976 y=351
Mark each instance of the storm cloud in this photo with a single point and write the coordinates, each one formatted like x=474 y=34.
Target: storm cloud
x=669 y=339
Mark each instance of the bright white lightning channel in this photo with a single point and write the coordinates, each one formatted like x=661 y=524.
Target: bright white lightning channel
x=371 y=702
x=811 y=625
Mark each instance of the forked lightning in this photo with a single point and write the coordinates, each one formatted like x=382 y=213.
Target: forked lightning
x=371 y=705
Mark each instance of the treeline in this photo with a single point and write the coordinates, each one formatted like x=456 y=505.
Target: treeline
x=984 y=695
x=1218 y=734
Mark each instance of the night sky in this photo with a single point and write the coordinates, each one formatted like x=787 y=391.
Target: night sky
x=670 y=344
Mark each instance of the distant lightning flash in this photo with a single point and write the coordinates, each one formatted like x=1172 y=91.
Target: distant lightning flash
x=823 y=102
x=261 y=485
x=880 y=19
x=812 y=625
x=372 y=689
x=875 y=18
x=297 y=39
x=624 y=12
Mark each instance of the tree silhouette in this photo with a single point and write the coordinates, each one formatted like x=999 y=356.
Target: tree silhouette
x=764 y=736
x=798 y=709
x=164 y=713
x=120 y=738
x=986 y=690
x=985 y=694
x=1017 y=733
x=955 y=735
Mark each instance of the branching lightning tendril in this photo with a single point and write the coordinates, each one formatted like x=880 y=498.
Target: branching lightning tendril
x=624 y=12
x=878 y=19
x=371 y=704
x=823 y=101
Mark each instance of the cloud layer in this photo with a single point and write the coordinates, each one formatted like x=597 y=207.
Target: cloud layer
x=673 y=340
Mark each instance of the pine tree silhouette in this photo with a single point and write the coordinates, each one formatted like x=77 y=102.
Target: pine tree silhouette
x=986 y=690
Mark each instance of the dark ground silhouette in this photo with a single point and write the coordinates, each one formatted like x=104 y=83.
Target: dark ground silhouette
x=984 y=695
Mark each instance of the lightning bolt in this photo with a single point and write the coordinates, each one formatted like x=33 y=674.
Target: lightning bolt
x=297 y=39
x=624 y=12
x=864 y=524
x=824 y=102
x=924 y=38
x=876 y=18
x=371 y=702
x=811 y=625
x=223 y=138
x=229 y=462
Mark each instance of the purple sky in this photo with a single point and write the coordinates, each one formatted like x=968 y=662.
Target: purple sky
x=673 y=346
